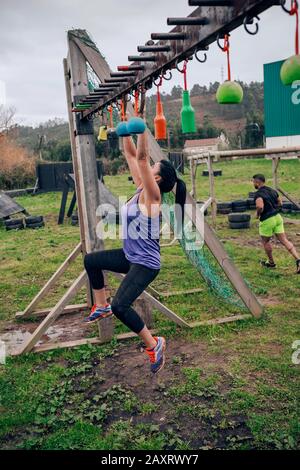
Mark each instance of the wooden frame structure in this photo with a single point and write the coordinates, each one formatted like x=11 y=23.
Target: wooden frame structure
x=208 y=157
x=89 y=193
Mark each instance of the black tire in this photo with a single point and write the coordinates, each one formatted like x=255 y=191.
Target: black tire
x=36 y=225
x=216 y=173
x=224 y=205
x=74 y=222
x=239 y=217
x=239 y=225
x=130 y=178
x=239 y=209
x=252 y=195
x=11 y=222
x=18 y=226
x=224 y=211
x=33 y=219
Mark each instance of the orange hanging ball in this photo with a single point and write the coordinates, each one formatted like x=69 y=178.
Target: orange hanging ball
x=160 y=122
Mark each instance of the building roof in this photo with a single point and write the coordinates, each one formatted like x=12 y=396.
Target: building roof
x=202 y=142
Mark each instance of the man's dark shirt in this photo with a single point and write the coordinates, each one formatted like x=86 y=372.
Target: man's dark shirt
x=270 y=198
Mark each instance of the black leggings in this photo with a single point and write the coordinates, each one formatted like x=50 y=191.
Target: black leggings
x=134 y=283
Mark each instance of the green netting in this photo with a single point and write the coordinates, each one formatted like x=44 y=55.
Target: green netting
x=201 y=258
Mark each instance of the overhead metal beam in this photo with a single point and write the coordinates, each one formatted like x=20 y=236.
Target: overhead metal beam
x=185 y=39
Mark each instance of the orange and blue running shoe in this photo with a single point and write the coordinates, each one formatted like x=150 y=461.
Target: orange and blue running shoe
x=97 y=313
x=157 y=354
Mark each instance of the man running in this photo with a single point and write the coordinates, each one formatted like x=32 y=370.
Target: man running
x=268 y=204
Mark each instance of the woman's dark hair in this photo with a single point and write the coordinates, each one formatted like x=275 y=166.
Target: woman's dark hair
x=168 y=179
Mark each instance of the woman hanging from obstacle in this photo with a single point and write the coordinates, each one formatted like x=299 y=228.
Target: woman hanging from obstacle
x=139 y=258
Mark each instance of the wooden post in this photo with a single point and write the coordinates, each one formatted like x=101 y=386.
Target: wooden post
x=193 y=168
x=275 y=165
x=86 y=177
x=212 y=190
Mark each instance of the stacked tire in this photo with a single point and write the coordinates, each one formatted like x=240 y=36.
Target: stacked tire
x=216 y=173
x=14 y=224
x=74 y=219
x=34 y=221
x=239 y=206
x=239 y=221
x=224 y=208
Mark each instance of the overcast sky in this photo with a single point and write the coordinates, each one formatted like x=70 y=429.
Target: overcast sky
x=33 y=44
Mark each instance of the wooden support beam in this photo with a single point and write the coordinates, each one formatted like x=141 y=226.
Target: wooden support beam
x=275 y=165
x=212 y=190
x=124 y=336
x=181 y=292
x=54 y=313
x=49 y=284
x=288 y=197
x=67 y=310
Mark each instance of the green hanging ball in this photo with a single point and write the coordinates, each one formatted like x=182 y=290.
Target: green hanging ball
x=230 y=93
x=290 y=70
x=188 y=121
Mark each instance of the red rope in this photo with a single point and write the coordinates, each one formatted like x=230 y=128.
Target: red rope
x=110 y=110
x=226 y=49
x=295 y=11
x=122 y=110
x=158 y=87
x=184 y=71
x=136 y=102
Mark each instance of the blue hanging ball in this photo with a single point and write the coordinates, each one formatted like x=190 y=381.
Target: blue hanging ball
x=136 y=125
x=122 y=130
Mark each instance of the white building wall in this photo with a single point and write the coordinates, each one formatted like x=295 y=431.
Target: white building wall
x=283 y=141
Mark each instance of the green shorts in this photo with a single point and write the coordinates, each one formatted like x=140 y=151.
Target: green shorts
x=271 y=226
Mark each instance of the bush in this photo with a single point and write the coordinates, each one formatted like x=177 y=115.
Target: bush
x=113 y=167
x=17 y=166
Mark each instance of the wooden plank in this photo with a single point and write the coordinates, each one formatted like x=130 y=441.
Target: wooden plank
x=124 y=336
x=212 y=190
x=55 y=312
x=74 y=154
x=86 y=177
x=220 y=321
x=49 y=284
x=288 y=197
x=44 y=311
x=63 y=203
x=181 y=292
x=81 y=342
x=275 y=165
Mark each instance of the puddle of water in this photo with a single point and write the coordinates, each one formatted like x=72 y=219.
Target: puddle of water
x=14 y=339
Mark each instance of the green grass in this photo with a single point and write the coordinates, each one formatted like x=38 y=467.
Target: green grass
x=232 y=386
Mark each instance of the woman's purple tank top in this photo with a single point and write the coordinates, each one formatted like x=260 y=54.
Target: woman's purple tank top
x=140 y=235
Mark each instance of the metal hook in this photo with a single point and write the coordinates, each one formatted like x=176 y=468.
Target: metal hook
x=170 y=75
x=201 y=60
x=248 y=20
x=219 y=37
x=180 y=70
x=283 y=2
